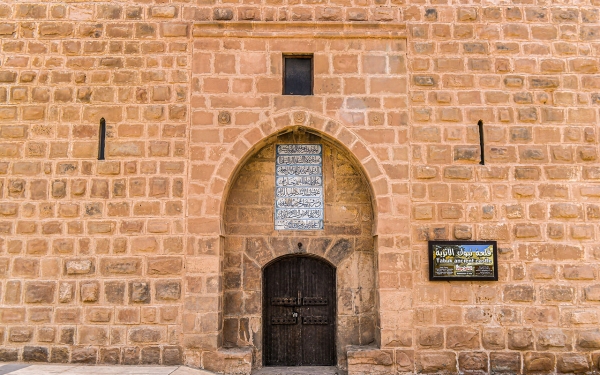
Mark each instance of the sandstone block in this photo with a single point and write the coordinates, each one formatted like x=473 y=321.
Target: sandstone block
x=99 y=314
x=20 y=334
x=114 y=292
x=92 y=335
x=364 y=360
x=168 y=290
x=67 y=335
x=66 y=292
x=519 y=293
x=505 y=362
x=85 y=355
x=568 y=363
x=150 y=355
x=130 y=356
x=79 y=267
x=431 y=338
x=89 y=291
x=164 y=266
x=473 y=361
x=172 y=355
x=520 y=339
x=9 y=355
x=539 y=362
x=493 y=338
x=592 y=292
x=145 y=335
x=40 y=292
x=121 y=266
x=59 y=355
x=35 y=354
x=110 y=356
x=589 y=339
x=139 y=292
x=238 y=359
x=462 y=338
x=432 y=362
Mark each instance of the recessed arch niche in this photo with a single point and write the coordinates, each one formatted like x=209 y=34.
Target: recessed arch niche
x=347 y=241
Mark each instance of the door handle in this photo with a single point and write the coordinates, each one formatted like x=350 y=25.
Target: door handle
x=295 y=315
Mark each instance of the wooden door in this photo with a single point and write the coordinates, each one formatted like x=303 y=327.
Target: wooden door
x=299 y=312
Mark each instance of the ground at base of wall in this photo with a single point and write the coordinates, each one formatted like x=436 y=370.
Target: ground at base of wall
x=30 y=369
x=306 y=370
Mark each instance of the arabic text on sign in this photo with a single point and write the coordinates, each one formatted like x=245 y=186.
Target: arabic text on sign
x=299 y=187
x=299 y=181
x=298 y=214
x=299 y=224
x=299 y=149
x=299 y=159
x=299 y=192
x=299 y=203
x=298 y=170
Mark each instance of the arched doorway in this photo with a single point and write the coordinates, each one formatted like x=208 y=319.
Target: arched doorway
x=299 y=306
x=346 y=241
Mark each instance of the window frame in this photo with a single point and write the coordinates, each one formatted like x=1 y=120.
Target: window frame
x=310 y=56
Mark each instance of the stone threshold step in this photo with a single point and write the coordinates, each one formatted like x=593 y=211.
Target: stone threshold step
x=301 y=370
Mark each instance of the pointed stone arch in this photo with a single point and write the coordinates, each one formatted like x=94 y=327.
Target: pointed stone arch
x=249 y=141
x=245 y=180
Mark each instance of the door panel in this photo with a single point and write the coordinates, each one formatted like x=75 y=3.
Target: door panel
x=299 y=312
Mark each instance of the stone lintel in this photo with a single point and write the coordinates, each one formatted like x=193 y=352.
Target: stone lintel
x=329 y=30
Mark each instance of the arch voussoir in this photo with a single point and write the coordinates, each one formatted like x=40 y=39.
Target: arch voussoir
x=334 y=129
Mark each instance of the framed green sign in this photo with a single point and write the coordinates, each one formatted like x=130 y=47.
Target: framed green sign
x=463 y=260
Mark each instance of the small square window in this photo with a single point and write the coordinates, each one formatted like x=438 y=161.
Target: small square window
x=298 y=75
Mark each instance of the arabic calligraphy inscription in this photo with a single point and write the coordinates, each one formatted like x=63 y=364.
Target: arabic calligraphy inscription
x=299 y=187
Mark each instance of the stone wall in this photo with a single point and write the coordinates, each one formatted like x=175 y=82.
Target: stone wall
x=92 y=252
x=122 y=260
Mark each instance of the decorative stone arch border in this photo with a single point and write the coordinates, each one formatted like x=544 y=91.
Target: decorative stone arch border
x=245 y=253
x=252 y=139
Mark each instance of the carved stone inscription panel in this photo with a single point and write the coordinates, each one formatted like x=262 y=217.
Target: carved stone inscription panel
x=299 y=187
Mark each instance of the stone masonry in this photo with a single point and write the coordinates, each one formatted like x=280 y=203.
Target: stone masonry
x=132 y=260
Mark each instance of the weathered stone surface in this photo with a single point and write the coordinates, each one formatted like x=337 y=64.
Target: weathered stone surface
x=145 y=335
x=79 y=267
x=121 y=266
x=35 y=354
x=89 y=291
x=460 y=338
x=432 y=362
x=59 y=355
x=86 y=355
x=239 y=360
x=9 y=354
x=40 y=292
x=169 y=290
x=114 y=292
x=89 y=335
x=164 y=266
x=110 y=356
x=520 y=339
x=20 y=334
x=589 y=339
x=139 y=292
x=431 y=338
x=362 y=360
x=539 y=362
x=150 y=355
x=572 y=363
x=473 y=361
x=505 y=362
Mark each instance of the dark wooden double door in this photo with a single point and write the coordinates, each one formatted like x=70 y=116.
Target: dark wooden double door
x=299 y=312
